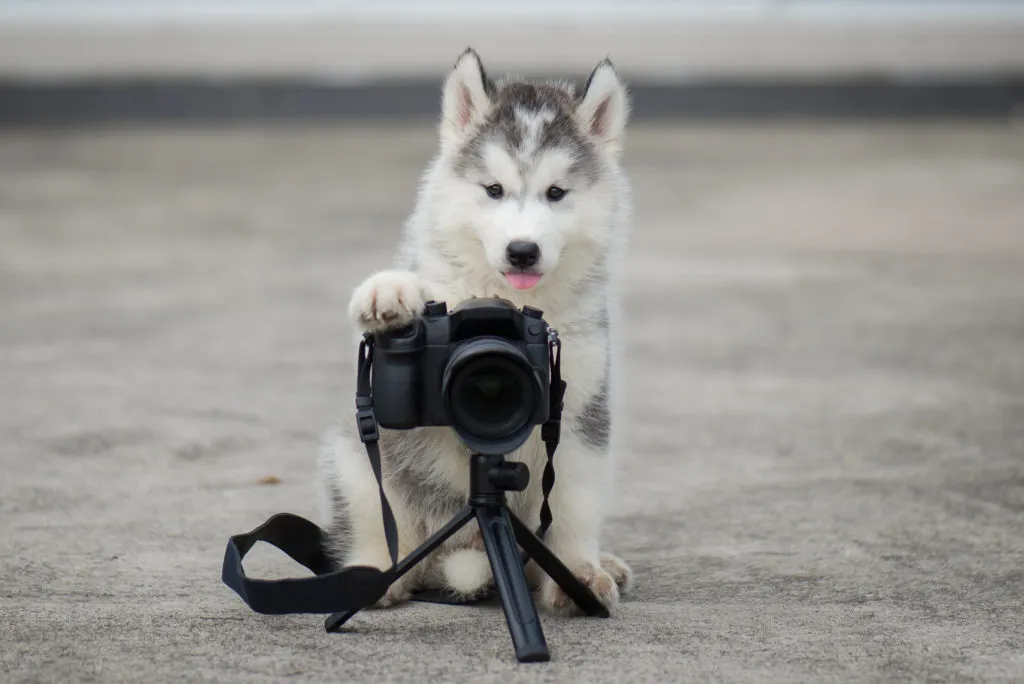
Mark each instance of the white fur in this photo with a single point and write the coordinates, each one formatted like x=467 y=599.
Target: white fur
x=605 y=107
x=386 y=299
x=466 y=571
x=465 y=103
x=453 y=217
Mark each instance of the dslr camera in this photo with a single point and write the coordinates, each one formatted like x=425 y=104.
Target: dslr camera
x=482 y=369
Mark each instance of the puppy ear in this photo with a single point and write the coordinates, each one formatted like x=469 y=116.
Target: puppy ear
x=467 y=97
x=603 y=109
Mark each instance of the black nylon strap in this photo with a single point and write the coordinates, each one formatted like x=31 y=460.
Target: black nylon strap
x=369 y=435
x=302 y=540
x=330 y=590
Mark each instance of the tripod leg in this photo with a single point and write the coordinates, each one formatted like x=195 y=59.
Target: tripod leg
x=520 y=613
x=335 y=621
x=557 y=570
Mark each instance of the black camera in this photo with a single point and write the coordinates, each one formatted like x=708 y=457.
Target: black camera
x=482 y=369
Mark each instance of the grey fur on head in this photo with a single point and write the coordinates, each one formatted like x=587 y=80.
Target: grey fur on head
x=513 y=104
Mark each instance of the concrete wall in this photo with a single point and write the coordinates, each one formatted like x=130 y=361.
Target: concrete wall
x=350 y=41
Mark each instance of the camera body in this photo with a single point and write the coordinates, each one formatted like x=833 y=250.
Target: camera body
x=482 y=369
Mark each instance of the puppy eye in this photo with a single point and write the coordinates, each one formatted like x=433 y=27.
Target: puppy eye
x=495 y=191
x=556 y=193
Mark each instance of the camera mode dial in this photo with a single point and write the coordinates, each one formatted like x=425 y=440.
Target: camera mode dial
x=531 y=312
x=436 y=308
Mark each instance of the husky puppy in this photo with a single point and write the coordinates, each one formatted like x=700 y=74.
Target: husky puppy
x=525 y=200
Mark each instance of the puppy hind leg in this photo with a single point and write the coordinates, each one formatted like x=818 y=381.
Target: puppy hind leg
x=460 y=567
x=355 y=525
x=576 y=503
x=467 y=573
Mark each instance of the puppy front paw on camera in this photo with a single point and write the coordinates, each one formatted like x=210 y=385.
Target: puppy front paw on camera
x=387 y=300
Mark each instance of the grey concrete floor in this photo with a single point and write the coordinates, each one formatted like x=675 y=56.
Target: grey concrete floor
x=826 y=475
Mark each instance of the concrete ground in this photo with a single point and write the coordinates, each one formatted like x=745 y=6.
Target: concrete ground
x=826 y=477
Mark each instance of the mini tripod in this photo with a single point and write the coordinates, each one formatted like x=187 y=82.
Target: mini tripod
x=490 y=478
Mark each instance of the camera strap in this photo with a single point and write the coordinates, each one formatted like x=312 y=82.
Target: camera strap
x=330 y=590
x=551 y=430
x=357 y=587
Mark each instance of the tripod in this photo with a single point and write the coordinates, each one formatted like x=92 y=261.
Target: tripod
x=490 y=477
x=350 y=589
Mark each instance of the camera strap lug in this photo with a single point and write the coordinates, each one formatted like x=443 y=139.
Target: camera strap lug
x=553 y=339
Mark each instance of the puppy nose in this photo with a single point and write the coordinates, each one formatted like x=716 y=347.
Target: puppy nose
x=523 y=254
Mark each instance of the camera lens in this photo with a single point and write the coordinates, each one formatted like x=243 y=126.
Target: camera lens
x=490 y=393
x=489 y=397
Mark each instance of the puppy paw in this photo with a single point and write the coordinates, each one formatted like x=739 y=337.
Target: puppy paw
x=599 y=580
x=401 y=589
x=397 y=593
x=619 y=570
x=389 y=299
x=467 y=573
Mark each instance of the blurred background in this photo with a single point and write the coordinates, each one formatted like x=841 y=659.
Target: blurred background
x=825 y=352
x=267 y=58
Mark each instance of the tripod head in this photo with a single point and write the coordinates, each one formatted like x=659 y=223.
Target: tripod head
x=491 y=476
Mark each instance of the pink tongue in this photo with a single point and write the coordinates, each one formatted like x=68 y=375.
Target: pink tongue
x=522 y=281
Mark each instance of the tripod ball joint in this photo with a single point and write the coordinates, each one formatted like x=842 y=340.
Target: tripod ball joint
x=509 y=477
